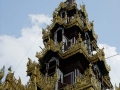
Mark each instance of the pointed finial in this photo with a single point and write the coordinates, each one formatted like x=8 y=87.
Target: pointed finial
x=19 y=80
x=90 y=65
x=79 y=35
x=90 y=70
x=10 y=69
x=29 y=61
x=79 y=38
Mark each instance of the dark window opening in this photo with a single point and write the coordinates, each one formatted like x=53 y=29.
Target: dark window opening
x=67 y=79
x=88 y=44
x=63 y=14
x=52 y=68
x=97 y=73
x=59 y=36
x=38 y=88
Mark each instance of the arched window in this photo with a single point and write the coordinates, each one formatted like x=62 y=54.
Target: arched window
x=63 y=14
x=58 y=35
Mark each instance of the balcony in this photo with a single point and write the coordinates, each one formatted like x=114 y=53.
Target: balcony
x=86 y=81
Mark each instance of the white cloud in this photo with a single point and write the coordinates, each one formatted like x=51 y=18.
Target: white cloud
x=12 y=49
x=40 y=19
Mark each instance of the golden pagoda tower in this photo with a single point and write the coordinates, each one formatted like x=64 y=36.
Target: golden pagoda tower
x=71 y=58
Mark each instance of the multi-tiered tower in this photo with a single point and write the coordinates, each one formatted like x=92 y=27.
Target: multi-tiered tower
x=71 y=59
x=70 y=43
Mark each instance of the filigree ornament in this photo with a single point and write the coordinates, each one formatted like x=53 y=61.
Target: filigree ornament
x=106 y=79
x=11 y=83
x=43 y=82
x=61 y=5
x=31 y=65
x=85 y=82
x=75 y=48
x=83 y=9
x=37 y=79
x=2 y=71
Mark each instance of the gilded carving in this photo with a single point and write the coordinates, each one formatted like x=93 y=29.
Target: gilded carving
x=75 y=48
x=61 y=5
x=43 y=82
x=30 y=66
x=11 y=83
x=45 y=34
x=37 y=79
x=74 y=21
x=30 y=86
x=106 y=79
x=83 y=9
x=2 y=73
x=85 y=82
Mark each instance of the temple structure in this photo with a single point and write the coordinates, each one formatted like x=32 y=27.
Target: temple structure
x=71 y=58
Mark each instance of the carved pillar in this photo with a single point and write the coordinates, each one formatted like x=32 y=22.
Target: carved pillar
x=63 y=39
x=55 y=37
x=75 y=75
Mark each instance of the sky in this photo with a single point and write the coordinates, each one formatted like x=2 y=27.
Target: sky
x=21 y=24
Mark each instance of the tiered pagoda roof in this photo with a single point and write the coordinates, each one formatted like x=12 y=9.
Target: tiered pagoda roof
x=72 y=20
